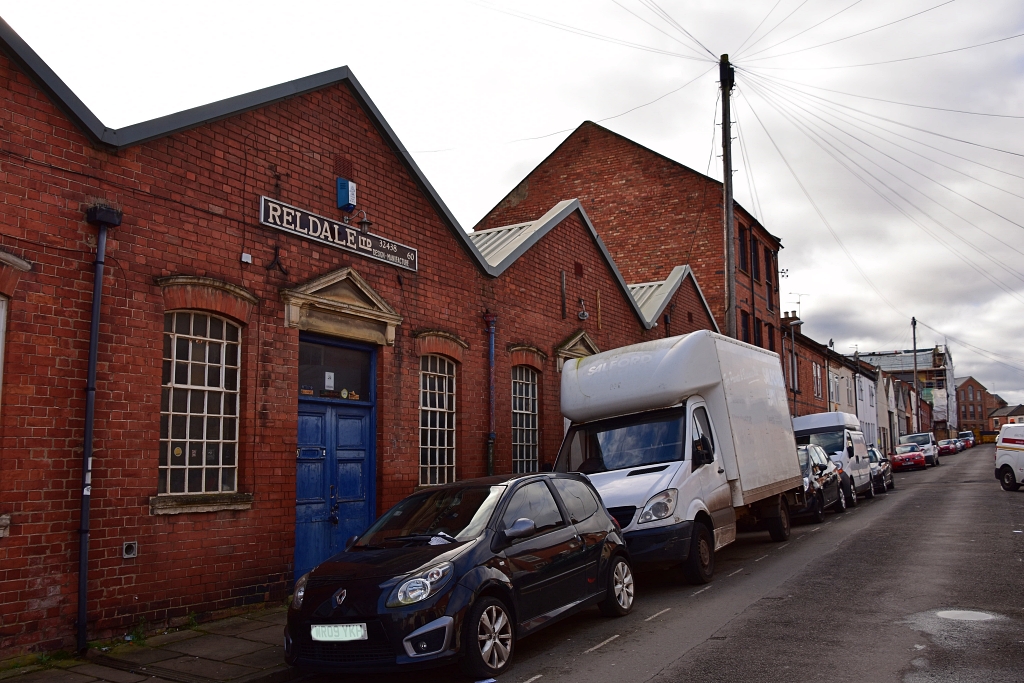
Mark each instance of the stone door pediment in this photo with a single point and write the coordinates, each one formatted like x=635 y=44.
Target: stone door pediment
x=579 y=345
x=341 y=304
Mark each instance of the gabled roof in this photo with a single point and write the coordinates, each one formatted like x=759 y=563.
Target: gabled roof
x=960 y=380
x=1007 y=411
x=654 y=297
x=500 y=247
x=62 y=96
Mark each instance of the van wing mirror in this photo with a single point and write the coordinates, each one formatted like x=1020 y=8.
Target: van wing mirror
x=849 y=451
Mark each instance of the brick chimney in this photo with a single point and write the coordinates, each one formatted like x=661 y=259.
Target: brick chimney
x=787 y=318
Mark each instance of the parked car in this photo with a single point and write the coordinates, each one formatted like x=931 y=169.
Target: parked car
x=461 y=572
x=822 y=487
x=1010 y=456
x=926 y=440
x=968 y=438
x=909 y=457
x=948 y=447
x=840 y=436
x=881 y=471
x=687 y=439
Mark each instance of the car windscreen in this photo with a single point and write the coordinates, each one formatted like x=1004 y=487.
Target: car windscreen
x=909 y=448
x=945 y=442
x=805 y=458
x=831 y=442
x=919 y=439
x=624 y=442
x=448 y=514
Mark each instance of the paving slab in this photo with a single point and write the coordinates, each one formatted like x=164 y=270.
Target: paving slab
x=105 y=673
x=214 y=647
x=138 y=654
x=278 y=616
x=233 y=626
x=172 y=637
x=267 y=658
x=271 y=635
x=207 y=668
x=54 y=676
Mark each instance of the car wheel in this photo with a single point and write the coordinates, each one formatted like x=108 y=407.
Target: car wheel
x=1007 y=481
x=618 y=600
x=819 y=512
x=700 y=564
x=870 y=493
x=892 y=482
x=936 y=461
x=490 y=639
x=778 y=527
x=851 y=494
x=840 y=504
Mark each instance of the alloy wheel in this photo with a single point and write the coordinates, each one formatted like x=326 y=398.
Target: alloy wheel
x=622 y=582
x=494 y=633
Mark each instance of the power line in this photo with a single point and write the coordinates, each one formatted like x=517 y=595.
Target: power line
x=889 y=61
x=839 y=40
x=659 y=30
x=977 y=349
x=749 y=171
x=783 y=20
x=740 y=48
x=656 y=8
x=795 y=35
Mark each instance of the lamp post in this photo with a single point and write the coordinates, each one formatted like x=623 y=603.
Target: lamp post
x=792 y=356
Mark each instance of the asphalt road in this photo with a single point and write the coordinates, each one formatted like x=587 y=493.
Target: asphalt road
x=857 y=598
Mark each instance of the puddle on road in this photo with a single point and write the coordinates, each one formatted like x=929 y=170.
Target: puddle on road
x=965 y=615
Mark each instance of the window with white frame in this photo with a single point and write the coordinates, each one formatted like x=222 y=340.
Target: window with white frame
x=833 y=387
x=199 y=404
x=849 y=392
x=437 y=420
x=871 y=394
x=970 y=393
x=525 y=432
x=816 y=371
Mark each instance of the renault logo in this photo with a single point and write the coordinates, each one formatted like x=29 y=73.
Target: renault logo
x=338 y=597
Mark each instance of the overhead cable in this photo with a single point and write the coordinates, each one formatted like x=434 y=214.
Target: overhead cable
x=809 y=28
x=781 y=22
x=761 y=23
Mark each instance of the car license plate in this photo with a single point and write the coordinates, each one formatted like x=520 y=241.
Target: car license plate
x=333 y=633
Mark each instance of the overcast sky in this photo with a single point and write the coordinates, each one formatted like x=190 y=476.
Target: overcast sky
x=482 y=91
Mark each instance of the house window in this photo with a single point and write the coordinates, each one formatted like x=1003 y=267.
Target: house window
x=833 y=387
x=199 y=404
x=972 y=411
x=871 y=394
x=745 y=326
x=970 y=393
x=437 y=420
x=758 y=339
x=816 y=371
x=743 y=265
x=755 y=261
x=770 y=332
x=768 y=277
x=860 y=390
x=995 y=421
x=525 y=434
x=849 y=392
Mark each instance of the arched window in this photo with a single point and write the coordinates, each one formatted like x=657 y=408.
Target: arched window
x=525 y=432
x=437 y=420
x=199 y=404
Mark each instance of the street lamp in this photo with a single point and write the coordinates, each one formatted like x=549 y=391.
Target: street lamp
x=792 y=357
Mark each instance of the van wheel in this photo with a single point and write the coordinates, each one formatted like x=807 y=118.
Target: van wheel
x=840 y=504
x=851 y=494
x=870 y=493
x=778 y=527
x=819 y=512
x=700 y=564
x=1007 y=481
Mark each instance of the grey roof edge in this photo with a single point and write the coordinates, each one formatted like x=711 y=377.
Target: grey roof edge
x=675 y=280
x=555 y=215
x=49 y=82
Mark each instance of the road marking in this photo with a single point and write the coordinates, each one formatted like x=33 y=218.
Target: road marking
x=602 y=643
x=760 y=558
x=735 y=573
x=652 y=616
x=699 y=592
x=531 y=680
x=826 y=524
x=782 y=546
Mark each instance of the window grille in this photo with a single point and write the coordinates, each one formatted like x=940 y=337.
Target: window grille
x=437 y=420
x=199 y=404
x=525 y=433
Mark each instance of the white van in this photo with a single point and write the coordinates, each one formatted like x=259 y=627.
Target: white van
x=839 y=434
x=926 y=440
x=685 y=438
x=1010 y=456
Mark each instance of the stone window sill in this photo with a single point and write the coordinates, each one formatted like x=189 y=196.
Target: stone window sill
x=199 y=502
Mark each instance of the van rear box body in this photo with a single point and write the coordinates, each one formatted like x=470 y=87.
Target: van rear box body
x=741 y=384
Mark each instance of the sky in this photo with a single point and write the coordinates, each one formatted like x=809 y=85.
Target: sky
x=889 y=206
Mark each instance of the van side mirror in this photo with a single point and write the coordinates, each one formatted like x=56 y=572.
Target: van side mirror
x=521 y=528
x=849 y=451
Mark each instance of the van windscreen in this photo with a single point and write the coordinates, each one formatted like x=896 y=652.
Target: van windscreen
x=830 y=442
x=919 y=439
x=624 y=443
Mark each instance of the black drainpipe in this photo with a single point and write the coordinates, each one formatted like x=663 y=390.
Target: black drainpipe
x=103 y=217
x=490 y=319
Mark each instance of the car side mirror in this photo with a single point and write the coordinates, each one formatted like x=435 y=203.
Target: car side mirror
x=350 y=542
x=521 y=528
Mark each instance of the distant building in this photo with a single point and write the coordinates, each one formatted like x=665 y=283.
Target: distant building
x=975 y=403
x=1006 y=415
x=934 y=378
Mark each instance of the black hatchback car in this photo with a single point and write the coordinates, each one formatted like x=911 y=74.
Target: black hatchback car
x=460 y=572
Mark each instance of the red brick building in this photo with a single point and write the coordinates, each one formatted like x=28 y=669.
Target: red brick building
x=264 y=362
x=976 y=404
x=656 y=214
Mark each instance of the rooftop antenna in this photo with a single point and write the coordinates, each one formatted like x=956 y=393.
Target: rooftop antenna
x=799 y=296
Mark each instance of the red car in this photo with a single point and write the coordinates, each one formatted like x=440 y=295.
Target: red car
x=908 y=456
x=948 y=447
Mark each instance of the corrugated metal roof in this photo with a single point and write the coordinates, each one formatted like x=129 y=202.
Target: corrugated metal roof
x=650 y=296
x=899 y=361
x=497 y=244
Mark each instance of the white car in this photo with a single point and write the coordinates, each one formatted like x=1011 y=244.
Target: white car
x=926 y=440
x=1010 y=456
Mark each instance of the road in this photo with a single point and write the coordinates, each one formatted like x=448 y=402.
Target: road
x=856 y=598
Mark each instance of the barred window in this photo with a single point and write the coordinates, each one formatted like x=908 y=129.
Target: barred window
x=525 y=441
x=199 y=404
x=437 y=420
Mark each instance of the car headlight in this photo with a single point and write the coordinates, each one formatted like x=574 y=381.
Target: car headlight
x=421 y=586
x=300 y=591
x=660 y=506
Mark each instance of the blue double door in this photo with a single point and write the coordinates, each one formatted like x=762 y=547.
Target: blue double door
x=335 y=477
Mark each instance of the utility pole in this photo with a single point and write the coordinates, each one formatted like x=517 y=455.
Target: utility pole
x=727 y=79
x=917 y=392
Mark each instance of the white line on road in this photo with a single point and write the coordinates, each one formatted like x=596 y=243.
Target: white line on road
x=782 y=546
x=658 y=614
x=699 y=592
x=602 y=643
x=760 y=558
x=735 y=573
x=531 y=680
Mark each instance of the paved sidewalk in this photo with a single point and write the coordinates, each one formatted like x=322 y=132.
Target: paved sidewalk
x=242 y=649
